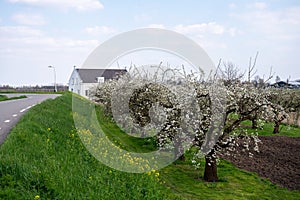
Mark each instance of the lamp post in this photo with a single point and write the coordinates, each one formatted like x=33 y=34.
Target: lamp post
x=55 y=88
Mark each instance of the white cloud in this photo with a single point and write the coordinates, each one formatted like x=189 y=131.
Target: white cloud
x=19 y=38
x=279 y=24
x=260 y=5
x=156 y=26
x=232 y=6
x=206 y=34
x=142 y=18
x=25 y=54
x=18 y=31
x=29 y=19
x=234 y=32
x=199 y=29
x=99 y=30
x=274 y=32
x=80 y=5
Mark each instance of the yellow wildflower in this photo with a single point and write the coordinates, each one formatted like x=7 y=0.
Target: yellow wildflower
x=37 y=197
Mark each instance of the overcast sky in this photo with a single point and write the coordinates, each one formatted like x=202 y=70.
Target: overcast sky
x=37 y=33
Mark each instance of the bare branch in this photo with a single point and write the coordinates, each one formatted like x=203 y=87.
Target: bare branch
x=252 y=67
x=271 y=75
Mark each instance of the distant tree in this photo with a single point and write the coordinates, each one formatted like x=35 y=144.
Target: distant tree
x=284 y=101
x=258 y=82
x=230 y=73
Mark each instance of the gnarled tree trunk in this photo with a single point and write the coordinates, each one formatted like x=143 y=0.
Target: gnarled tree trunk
x=178 y=149
x=276 y=127
x=210 y=171
x=254 y=123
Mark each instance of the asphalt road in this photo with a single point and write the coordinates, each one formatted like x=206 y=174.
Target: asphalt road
x=12 y=110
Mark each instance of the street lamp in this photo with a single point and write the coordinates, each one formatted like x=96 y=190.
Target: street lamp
x=55 y=88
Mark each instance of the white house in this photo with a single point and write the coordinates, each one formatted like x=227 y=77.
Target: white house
x=82 y=80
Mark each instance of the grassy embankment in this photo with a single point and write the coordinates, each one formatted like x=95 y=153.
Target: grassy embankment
x=43 y=157
x=5 y=98
x=29 y=92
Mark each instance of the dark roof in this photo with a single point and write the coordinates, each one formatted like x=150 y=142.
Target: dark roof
x=90 y=75
x=280 y=84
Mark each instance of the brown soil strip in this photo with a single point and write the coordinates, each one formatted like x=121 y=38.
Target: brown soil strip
x=278 y=160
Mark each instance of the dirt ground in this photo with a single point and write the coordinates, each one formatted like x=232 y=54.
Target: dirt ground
x=278 y=160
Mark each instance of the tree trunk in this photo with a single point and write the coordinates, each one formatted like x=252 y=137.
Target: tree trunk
x=254 y=123
x=178 y=149
x=276 y=127
x=210 y=172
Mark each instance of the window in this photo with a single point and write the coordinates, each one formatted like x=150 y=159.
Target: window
x=87 y=92
x=100 y=79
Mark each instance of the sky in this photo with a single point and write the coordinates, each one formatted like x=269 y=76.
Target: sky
x=62 y=33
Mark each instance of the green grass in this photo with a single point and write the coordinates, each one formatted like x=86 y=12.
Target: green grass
x=123 y=140
x=5 y=98
x=29 y=92
x=267 y=129
x=184 y=180
x=44 y=156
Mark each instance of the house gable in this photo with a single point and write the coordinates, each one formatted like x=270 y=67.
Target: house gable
x=92 y=75
x=82 y=80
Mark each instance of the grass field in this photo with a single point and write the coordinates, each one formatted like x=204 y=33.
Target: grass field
x=267 y=129
x=44 y=158
x=5 y=98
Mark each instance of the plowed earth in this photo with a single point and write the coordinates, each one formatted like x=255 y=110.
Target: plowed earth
x=278 y=160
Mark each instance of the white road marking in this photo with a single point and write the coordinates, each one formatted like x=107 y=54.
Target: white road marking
x=22 y=110
x=14 y=115
x=7 y=121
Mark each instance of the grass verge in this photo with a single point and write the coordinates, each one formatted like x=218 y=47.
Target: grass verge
x=5 y=98
x=44 y=158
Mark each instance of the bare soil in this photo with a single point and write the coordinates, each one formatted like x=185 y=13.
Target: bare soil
x=278 y=160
